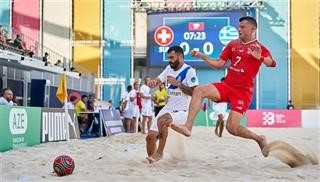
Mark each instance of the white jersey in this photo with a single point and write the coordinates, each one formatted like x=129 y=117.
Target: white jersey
x=126 y=98
x=133 y=93
x=4 y=101
x=133 y=104
x=127 y=113
x=145 y=90
x=177 y=100
x=69 y=105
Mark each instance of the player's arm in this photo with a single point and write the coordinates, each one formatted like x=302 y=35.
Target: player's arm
x=153 y=82
x=155 y=100
x=123 y=105
x=268 y=61
x=132 y=96
x=145 y=97
x=214 y=63
x=132 y=99
x=262 y=54
x=185 y=89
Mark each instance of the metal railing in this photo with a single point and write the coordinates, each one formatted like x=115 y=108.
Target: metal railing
x=37 y=50
x=164 y=5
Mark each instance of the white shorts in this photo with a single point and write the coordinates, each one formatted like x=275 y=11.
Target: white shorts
x=136 y=112
x=222 y=113
x=146 y=111
x=214 y=115
x=127 y=114
x=219 y=108
x=178 y=117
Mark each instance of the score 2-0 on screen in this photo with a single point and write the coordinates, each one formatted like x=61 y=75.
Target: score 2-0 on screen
x=207 y=32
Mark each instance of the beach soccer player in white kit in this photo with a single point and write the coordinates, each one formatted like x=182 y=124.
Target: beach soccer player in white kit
x=181 y=79
x=146 y=102
x=219 y=110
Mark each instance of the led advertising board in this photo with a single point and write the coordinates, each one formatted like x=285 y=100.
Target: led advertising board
x=207 y=32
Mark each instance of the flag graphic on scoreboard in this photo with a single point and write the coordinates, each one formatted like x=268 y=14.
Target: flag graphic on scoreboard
x=196 y=26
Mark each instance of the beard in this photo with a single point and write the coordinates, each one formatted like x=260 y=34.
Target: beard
x=174 y=65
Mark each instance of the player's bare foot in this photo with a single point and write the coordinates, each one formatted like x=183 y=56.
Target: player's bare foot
x=154 y=158
x=181 y=129
x=262 y=144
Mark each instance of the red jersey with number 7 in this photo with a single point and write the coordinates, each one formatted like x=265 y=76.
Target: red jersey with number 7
x=244 y=67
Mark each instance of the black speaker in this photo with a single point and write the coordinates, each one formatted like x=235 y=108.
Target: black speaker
x=37 y=92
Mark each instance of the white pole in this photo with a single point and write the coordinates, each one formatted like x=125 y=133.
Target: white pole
x=66 y=118
x=207 y=120
x=206 y=112
x=100 y=75
x=258 y=75
x=132 y=28
x=289 y=50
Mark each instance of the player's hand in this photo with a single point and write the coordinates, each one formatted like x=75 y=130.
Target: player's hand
x=152 y=83
x=196 y=54
x=173 y=81
x=256 y=52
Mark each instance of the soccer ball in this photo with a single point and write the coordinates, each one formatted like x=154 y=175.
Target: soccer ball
x=63 y=165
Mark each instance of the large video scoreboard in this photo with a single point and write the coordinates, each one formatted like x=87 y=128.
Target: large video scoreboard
x=207 y=32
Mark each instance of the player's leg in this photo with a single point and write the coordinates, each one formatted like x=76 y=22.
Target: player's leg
x=151 y=142
x=200 y=92
x=156 y=110
x=124 y=124
x=127 y=114
x=151 y=138
x=163 y=123
x=133 y=124
x=128 y=124
x=219 y=125
x=233 y=127
x=149 y=122
x=147 y=118
x=144 y=120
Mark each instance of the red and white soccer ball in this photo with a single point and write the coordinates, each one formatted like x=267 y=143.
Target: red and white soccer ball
x=63 y=165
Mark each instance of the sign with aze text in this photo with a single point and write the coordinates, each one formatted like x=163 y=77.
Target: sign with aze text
x=19 y=127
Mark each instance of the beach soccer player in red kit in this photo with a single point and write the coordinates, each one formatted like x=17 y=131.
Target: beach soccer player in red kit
x=246 y=55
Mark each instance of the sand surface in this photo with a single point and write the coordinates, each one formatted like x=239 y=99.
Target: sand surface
x=207 y=158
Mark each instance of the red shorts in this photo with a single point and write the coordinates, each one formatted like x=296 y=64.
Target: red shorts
x=239 y=98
